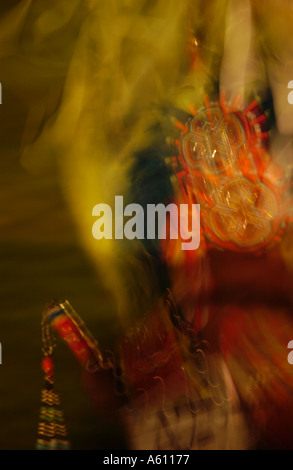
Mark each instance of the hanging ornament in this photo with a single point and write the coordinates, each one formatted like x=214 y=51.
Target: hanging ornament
x=52 y=432
x=60 y=317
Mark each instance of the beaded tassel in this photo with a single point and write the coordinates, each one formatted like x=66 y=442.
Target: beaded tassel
x=52 y=432
x=60 y=317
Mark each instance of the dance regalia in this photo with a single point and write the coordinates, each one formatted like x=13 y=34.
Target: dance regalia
x=202 y=354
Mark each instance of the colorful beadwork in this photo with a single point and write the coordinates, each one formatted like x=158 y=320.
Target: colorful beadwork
x=52 y=432
x=60 y=317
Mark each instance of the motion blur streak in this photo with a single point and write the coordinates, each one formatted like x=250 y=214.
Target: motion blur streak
x=91 y=75
x=102 y=83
